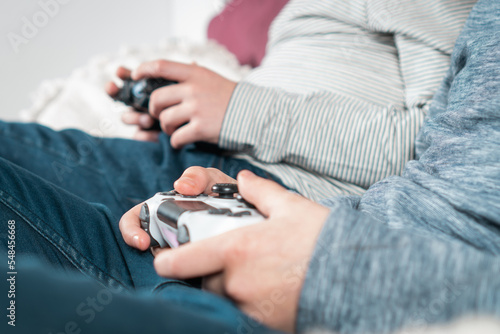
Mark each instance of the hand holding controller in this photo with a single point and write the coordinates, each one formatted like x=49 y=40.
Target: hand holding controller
x=172 y=219
x=137 y=93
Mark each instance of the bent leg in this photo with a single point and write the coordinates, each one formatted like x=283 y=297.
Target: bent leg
x=64 y=231
x=68 y=232
x=74 y=304
x=118 y=173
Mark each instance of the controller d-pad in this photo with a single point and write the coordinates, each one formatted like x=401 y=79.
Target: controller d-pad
x=219 y=212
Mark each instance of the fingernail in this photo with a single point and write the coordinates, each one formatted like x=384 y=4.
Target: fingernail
x=188 y=181
x=135 y=241
x=145 y=120
x=245 y=173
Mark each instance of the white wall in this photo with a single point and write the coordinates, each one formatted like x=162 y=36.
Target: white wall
x=75 y=30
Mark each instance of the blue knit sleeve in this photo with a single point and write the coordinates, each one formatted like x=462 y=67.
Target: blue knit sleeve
x=423 y=248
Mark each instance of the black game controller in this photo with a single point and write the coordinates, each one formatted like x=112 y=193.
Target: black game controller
x=136 y=93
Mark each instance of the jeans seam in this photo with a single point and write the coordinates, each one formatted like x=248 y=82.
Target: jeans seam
x=47 y=233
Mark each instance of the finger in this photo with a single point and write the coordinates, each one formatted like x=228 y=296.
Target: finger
x=214 y=283
x=195 y=259
x=130 y=228
x=111 y=89
x=165 y=97
x=198 y=180
x=266 y=195
x=132 y=117
x=186 y=134
x=164 y=69
x=144 y=121
x=155 y=250
x=174 y=117
x=123 y=73
x=151 y=136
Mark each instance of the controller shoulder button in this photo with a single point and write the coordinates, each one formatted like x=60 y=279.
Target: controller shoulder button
x=144 y=214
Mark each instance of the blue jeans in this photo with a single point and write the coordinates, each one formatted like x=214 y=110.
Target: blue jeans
x=65 y=192
x=118 y=173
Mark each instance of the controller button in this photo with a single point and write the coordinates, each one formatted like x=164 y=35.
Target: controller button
x=169 y=193
x=144 y=214
x=144 y=217
x=189 y=196
x=225 y=190
x=240 y=214
x=219 y=212
x=240 y=199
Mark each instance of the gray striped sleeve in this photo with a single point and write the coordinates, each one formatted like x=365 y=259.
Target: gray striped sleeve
x=326 y=133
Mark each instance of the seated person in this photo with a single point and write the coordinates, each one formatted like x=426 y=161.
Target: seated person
x=371 y=264
x=337 y=101
x=334 y=107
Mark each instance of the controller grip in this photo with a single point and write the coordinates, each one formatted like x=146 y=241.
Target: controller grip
x=144 y=217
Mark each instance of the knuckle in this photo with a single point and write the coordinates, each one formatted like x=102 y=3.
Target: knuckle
x=164 y=118
x=154 y=95
x=195 y=69
x=196 y=170
x=213 y=171
x=190 y=90
x=237 y=250
x=157 y=66
x=196 y=129
x=195 y=105
x=200 y=70
x=153 y=98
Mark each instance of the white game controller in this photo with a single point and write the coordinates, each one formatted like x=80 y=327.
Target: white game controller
x=172 y=219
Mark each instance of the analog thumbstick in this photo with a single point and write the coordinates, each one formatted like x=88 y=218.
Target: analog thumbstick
x=225 y=190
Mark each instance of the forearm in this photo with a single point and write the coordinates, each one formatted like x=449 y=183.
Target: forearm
x=423 y=248
x=366 y=277
x=325 y=133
